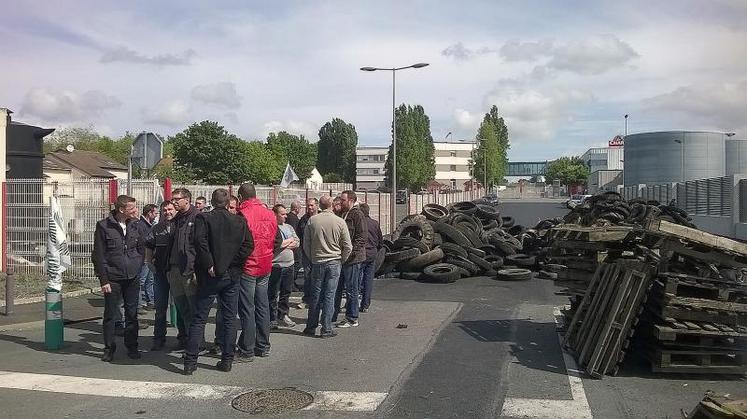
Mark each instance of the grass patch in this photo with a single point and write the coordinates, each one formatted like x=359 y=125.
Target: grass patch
x=34 y=285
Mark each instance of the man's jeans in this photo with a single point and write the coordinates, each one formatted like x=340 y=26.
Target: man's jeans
x=254 y=312
x=366 y=283
x=324 y=278
x=351 y=274
x=227 y=288
x=146 y=286
x=161 y=298
x=183 y=289
x=281 y=282
x=127 y=291
x=307 y=280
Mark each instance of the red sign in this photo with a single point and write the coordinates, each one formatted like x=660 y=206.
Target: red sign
x=616 y=142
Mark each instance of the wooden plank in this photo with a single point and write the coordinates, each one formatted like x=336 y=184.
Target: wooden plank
x=699 y=236
x=705 y=304
x=712 y=256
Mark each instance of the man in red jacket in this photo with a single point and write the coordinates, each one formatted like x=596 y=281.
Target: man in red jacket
x=254 y=305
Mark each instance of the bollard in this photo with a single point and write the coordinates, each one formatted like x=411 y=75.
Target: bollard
x=10 y=293
x=54 y=323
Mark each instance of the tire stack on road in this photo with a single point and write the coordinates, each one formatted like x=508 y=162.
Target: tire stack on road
x=465 y=240
x=609 y=208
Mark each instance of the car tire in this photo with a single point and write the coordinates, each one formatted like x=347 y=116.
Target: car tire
x=416 y=227
x=463 y=263
x=508 y=222
x=410 y=276
x=453 y=249
x=513 y=275
x=452 y=234
x=481 y=263
x=419 y=262
x=464 y=207
x=443 y=273
x=521 y=260
x=401 y=256
x=434 y=212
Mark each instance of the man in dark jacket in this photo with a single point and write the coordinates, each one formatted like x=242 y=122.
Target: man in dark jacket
x=157 y=258
x=373 y=244
x=118 y=249
x=180 y=271
x=312 y=208
x=223 y=243
x=358 y=228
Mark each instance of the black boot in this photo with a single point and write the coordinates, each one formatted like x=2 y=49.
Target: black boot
x=224 y=365
x=108 y=355
x=189 y=369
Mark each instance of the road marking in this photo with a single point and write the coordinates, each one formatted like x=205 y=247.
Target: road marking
x=578 y=407
x=323 y=400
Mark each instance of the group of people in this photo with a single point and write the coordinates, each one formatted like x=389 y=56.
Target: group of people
x=241 y=254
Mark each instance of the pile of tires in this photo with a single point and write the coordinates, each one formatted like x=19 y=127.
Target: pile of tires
x=609 y=208
x=467 y=239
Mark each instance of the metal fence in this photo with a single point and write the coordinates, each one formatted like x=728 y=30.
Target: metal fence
x=711 y=196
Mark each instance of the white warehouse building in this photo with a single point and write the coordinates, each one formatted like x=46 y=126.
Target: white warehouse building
x=369 y=167
x=453 y=162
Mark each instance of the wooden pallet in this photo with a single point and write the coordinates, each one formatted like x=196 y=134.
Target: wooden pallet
x=590 y=234
x=683 y=335
x=690 y=288
x=675 y=312
x=697 y=361
x=605 y=320
x=717 y=406
x=704 y=254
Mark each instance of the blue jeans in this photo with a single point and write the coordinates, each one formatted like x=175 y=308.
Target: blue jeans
x=307 y=281
x=161 y=300
x=279 y=291
x=146 y=286
x=351 y=274
x=366 y=283
x=324 y=278
x=254 y=312
x=227 y=287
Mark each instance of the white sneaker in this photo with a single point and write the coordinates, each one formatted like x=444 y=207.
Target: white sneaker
x=286 y=322
x=347 y=323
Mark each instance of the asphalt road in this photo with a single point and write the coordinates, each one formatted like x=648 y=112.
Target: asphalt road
x=475 y=348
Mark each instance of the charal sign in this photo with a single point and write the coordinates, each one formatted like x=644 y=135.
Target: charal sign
x=618 y=141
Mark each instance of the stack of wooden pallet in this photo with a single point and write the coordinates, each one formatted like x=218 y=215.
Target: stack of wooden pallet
x=576 y=253
x=697 y=314
x=692 y=285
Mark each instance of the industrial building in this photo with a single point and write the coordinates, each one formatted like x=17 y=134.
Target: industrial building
x=605 y=166
x=369 y=167
x=655 y=158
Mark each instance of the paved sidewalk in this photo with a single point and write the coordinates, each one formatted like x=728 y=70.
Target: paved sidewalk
x=74 y=309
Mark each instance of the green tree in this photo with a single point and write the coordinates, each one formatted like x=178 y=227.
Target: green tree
x=333 y=177
x=265 y=168
x=569 y=170
x=211 y=153
x=415 y=154
x=87 y=139
x=492 y=137
x=294 y=149
x=337 y=143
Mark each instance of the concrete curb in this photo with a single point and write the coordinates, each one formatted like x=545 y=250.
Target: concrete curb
x=39 y=299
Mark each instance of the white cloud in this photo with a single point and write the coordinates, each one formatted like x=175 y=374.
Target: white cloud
x=124 y=54
x=592 y=55
x=66 y=106
x=309 y=130
x=515 y=50
x=461 y=53
x=718 y=105
x=535 y=113
x=173 y=114
x=466 y=120
x=221 y=94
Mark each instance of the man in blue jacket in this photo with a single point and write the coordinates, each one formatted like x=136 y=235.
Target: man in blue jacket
x=118 y=248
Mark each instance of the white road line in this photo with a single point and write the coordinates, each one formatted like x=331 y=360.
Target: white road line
x=578 y=407
x=323 y=400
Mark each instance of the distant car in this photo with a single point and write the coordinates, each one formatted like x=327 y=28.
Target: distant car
x=401 y=197
x=491 y=199
x=576 y=200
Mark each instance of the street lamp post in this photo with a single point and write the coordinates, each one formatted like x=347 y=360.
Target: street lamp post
x=393 y=199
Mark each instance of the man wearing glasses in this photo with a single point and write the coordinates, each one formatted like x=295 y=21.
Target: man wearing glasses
x=182 y=258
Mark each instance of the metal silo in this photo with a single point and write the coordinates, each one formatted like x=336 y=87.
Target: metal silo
x=736 y=157
x=672 y=156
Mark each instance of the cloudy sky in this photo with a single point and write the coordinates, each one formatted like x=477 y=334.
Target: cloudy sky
x=562 y=73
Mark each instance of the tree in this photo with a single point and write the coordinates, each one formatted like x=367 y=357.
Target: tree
x=87 y=139
x=569 y=170
x=333 y=177
x=265 y=168
x=492 y=138
x=415 y=158
x=336 y=149
x=293 y=149
x=211 y=153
